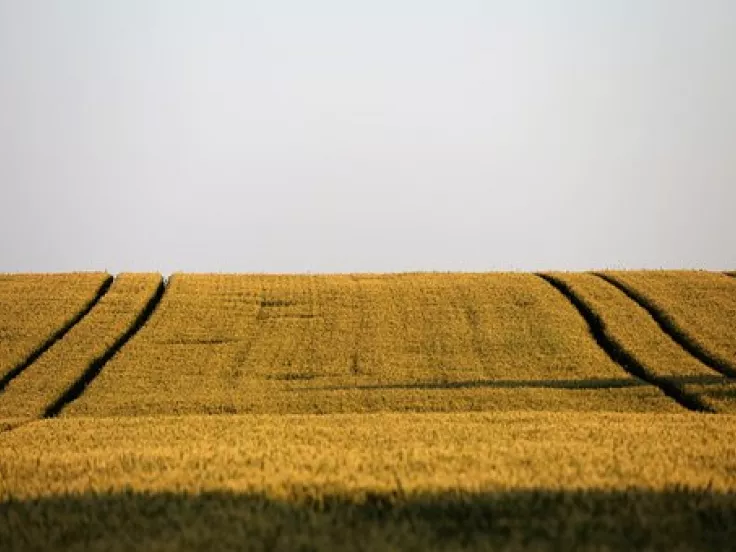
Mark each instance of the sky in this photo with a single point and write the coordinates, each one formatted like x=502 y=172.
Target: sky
x=381 y=136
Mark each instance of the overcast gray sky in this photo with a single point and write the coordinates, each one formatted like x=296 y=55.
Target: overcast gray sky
x=382 y=135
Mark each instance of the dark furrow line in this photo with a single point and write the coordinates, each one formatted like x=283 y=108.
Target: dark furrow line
x=478 y=339
x=670 y=327
x=619 y=354
x=355 y=368
x=96 y=366
x=243 y=356
x=568 y=384
x=57 y=335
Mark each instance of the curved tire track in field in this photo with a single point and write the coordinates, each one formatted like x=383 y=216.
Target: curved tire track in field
x=671 y=328
x=619 y=354
x=98 y=364
x=57 y=335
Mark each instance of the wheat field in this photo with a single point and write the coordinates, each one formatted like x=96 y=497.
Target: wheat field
x=652 y=351
x=421 y=411
x=322 y=344
x=698 y=307
x=35 y=308
x=38 y=387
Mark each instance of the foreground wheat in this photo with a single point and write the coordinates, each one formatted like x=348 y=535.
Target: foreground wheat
x=367 y=482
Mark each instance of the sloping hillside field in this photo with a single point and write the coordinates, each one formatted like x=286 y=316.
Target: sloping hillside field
x=327 y=344
x=368 y=411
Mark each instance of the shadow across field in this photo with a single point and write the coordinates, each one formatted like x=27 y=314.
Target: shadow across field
x=538 y=519
x=592 y=383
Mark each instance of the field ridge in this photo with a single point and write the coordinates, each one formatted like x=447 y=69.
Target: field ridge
x=620 y=355
x=96 y=366
x=671 y=328
x=57 y=335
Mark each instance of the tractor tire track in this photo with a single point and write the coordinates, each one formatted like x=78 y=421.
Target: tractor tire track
x=356 y=367
x=96 y=366
x=57 y=335
x=620 y=355
x=671 y=328
x=478 y=339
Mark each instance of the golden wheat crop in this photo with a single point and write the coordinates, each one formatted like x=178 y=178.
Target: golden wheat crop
x=360 y=452
x=632 y=328
x=376 y=481
x=354 y=343
x=64 y=364
x=34 y=306
x=122 y=468
x=699 y=306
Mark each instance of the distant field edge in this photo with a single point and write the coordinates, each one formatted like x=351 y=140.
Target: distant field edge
x=618 y=352
x=57 y=335
x=96 y=366
x=671 y=328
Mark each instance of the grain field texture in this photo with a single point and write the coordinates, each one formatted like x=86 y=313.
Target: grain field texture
x=35 y=307
x=31 y=393
x=636 y=332
x=697 y=307
x=440 y=481
x=361 y=343
x=422 y=411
